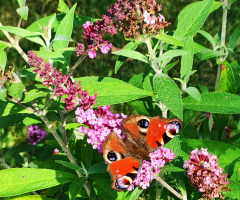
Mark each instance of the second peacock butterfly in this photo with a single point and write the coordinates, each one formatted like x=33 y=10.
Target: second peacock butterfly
x=142 y=136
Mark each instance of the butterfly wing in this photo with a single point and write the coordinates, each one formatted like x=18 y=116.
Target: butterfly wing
x=160 y=131
x=122 y=167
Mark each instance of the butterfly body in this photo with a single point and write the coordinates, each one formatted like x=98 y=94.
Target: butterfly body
x=142 y=136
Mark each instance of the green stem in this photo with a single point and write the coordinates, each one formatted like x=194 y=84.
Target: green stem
x=225 y=4
x=168 y=186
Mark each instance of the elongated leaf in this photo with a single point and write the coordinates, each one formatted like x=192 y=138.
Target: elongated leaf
x=192 y=17
x=234 y=192
x=171 y=54
x=187 y=60
x=62 y=7
x=19 y=31
x=209 y=53
x=19 y=120
x=135 y=194
x=34 y=94
x=9 y=108
x=168 y=93
x=65 y=28
x=37 y=25
x=31 y=197
x=16 y=90
x=22 y=180
x=109 y=93
x=208 y=37
x=28 y=73
x=193 y=92
x=49 y=55
x=98 y=168
x=3 y=94
x=86 y=153
x=222 y=103
x=215 y=6
x=69 y=165
x=3 y=57
x=236 y=71
x=169 y=39
x=227 y=81
x=169 y=66
x=234 y=38
x=132 y=54
x=76 y=186
x=122 y=59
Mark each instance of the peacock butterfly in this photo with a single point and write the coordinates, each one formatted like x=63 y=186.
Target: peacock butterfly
x=142 y=136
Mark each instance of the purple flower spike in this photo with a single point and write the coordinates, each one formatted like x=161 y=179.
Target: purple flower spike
x=35 y=134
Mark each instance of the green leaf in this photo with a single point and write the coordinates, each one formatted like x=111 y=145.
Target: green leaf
x=22 y=180
x=76 y=186
x=234 y=192
x=169 y=39
x=19 y=120
x=132 y=54
x=98 y=168
x=69 y=165
x=3 y=94
x=187 y=60
x=62 y=37
x=208 y=37
x=170 y=54
x=16 y=90
x=236 y=71
x=86 y=153
x=193 y=92
x=170 y=168
x=49 y=55
x=209 y=53
x=192 y=17
x=20 y=2
x=19 y=31
x=227 y=81
x=169 y=66
x=28 y=73
x=234 y=38
x=135 y=194
x=203 y=88
x=65 y=28
x=214 y=102
x=109 y=93
x=38 y=25
x=62 y=7
x=122 y=59
x=23 y=12
x=31 y=197
x=9 y=108
x=169 y=94
x=3 y=58
x=216 y=5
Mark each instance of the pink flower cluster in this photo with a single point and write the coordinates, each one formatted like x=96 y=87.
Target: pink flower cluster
x=62 y=85
x=35 y=134
x=108 y=25
x=205 y=174
x=158 y=159
x=101 y=123
x=126 y=14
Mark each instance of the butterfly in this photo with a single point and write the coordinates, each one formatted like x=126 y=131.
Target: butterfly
x=142 y=136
